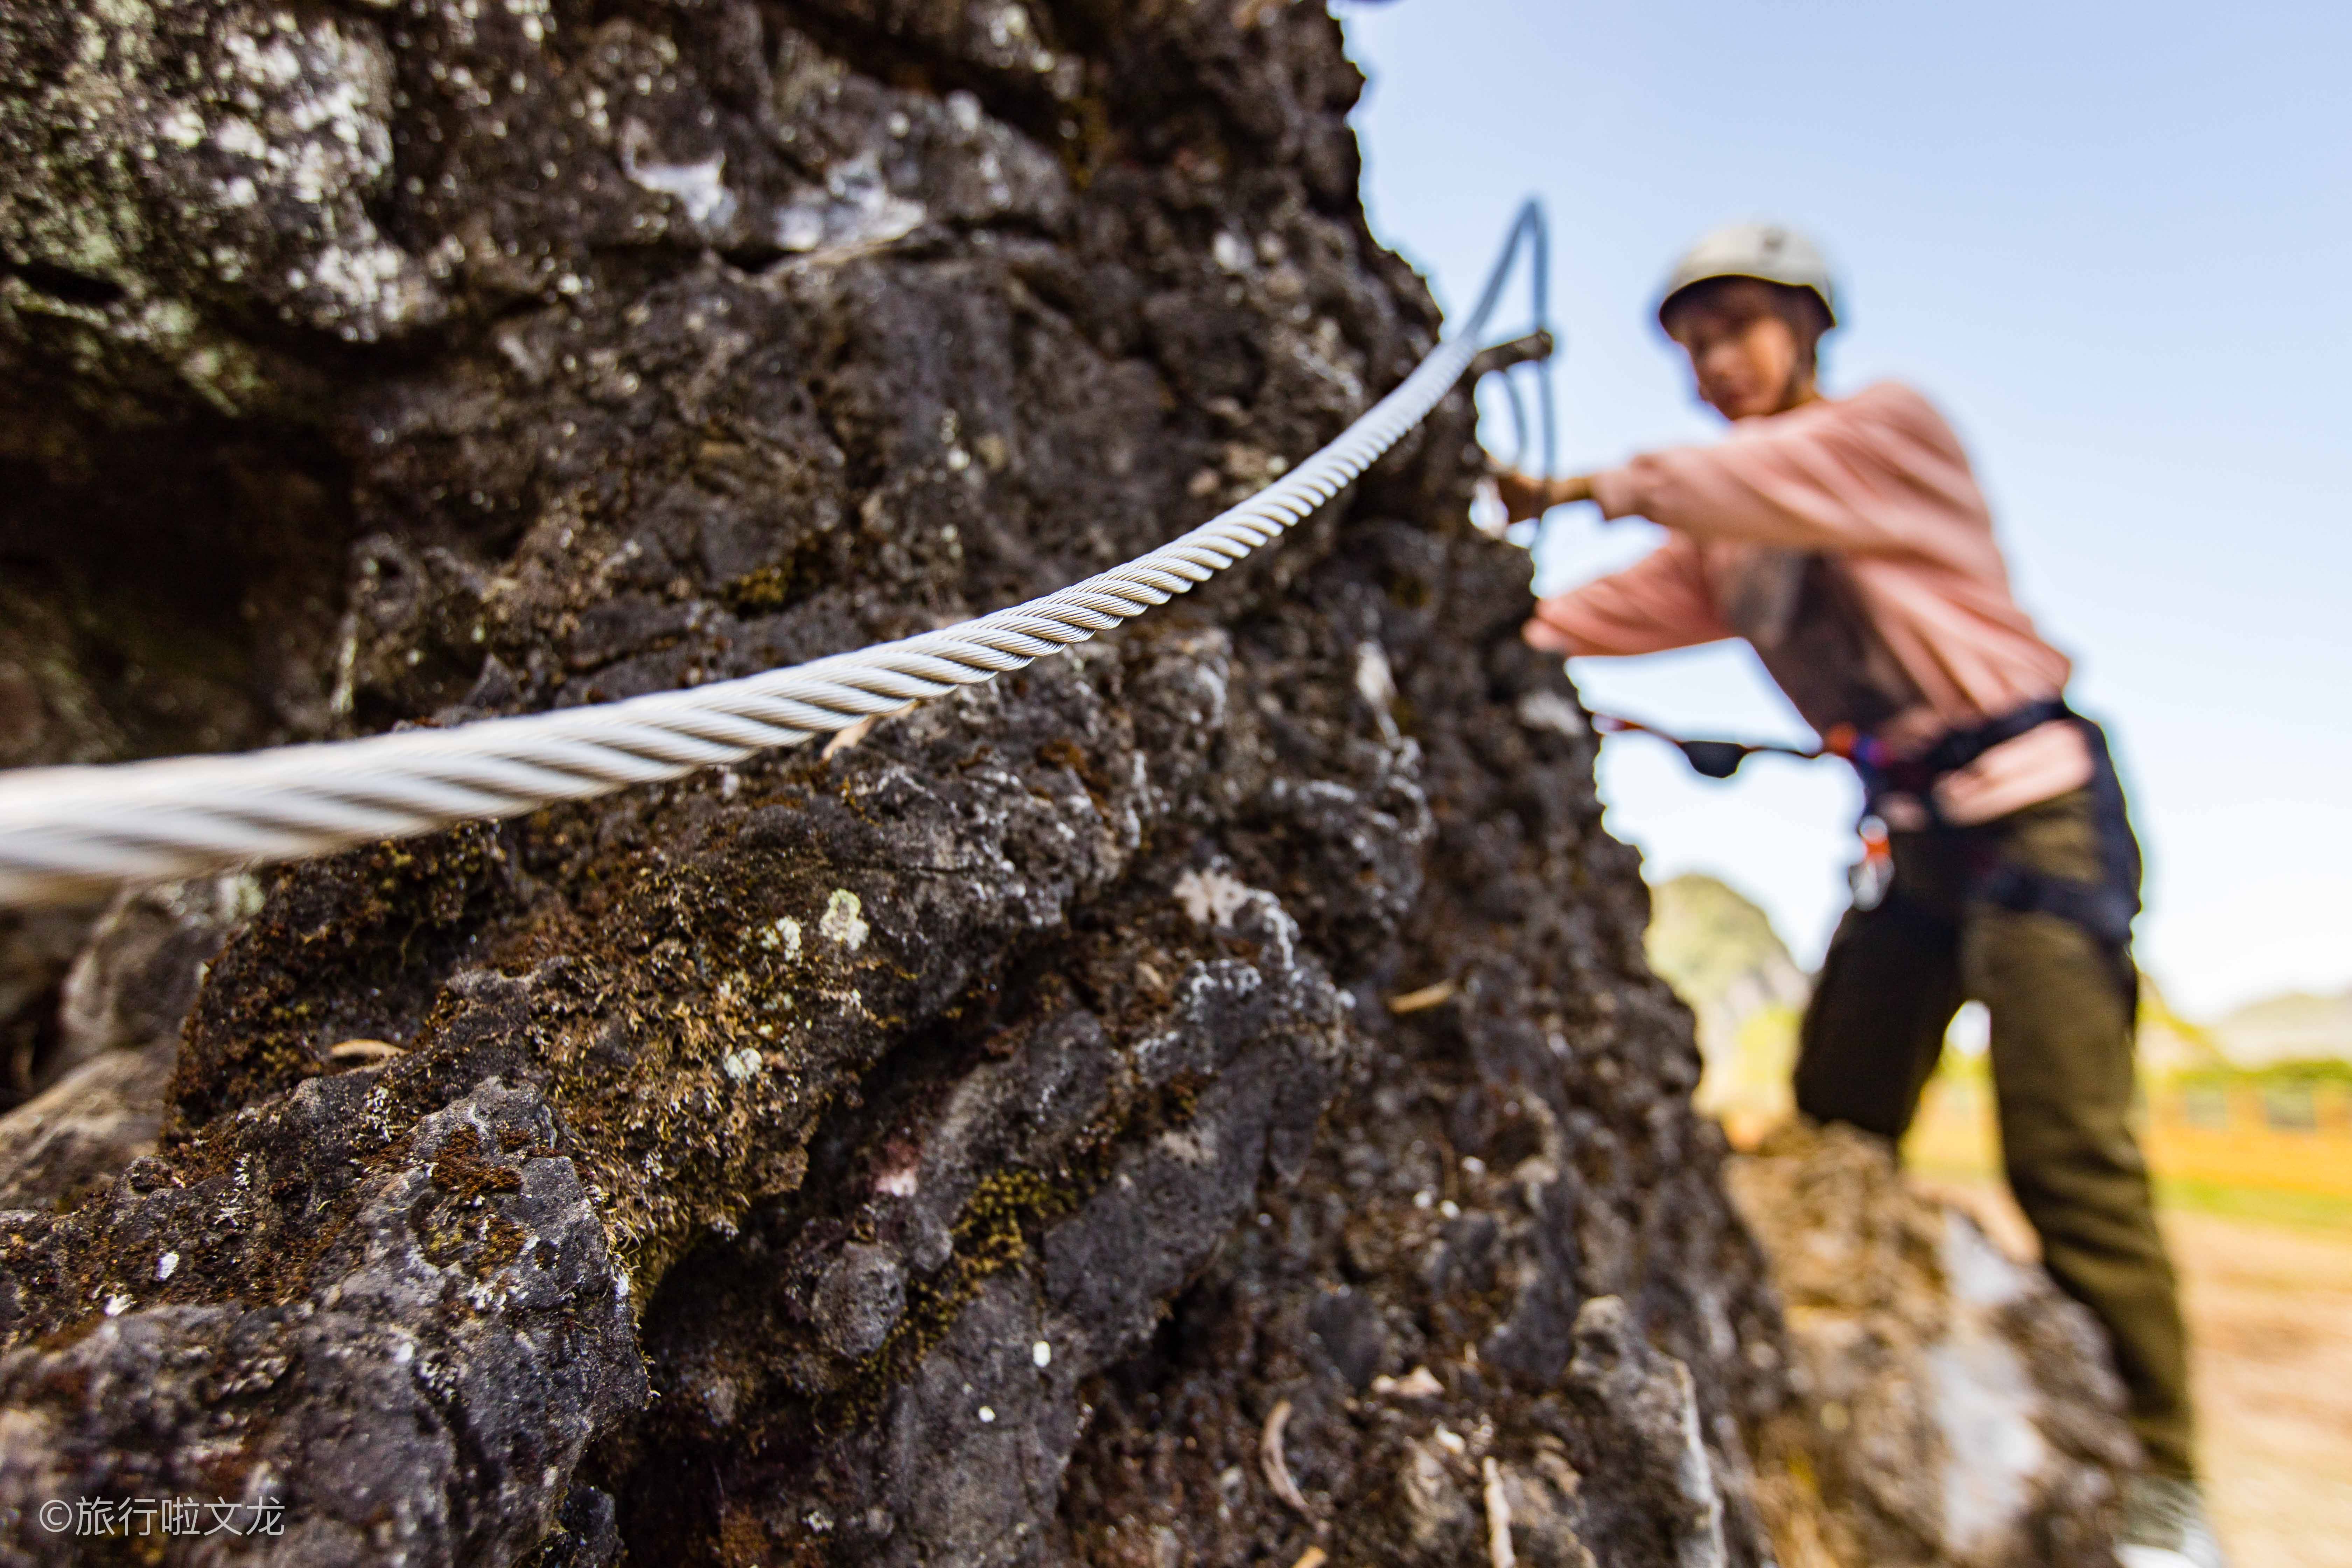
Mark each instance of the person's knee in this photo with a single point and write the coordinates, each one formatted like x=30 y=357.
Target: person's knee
x=1821 y=1096
x=1834 y=1092
x=2073 y=1179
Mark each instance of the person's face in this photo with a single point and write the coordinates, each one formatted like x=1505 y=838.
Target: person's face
x=1745 y=360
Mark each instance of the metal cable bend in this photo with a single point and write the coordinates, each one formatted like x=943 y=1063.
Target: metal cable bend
x=68 y=832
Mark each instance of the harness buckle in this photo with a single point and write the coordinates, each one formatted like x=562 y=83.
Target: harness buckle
x=1873 y=876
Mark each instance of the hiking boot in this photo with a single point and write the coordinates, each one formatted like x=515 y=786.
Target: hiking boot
x=2165 y=1526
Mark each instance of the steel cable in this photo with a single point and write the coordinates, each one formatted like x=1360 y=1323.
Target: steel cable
x=70 y=832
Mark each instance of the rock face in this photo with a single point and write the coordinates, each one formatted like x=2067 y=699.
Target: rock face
x=990 y=1142
x=1955 y=1410
x=108 y=1033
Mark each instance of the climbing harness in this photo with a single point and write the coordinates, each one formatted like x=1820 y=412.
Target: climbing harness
x=1884 y=773
x=71 y=832
x=2104 y=908
x=1710 y=759
x=1872 y=877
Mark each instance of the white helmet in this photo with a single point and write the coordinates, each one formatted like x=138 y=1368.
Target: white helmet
x=1770 y=252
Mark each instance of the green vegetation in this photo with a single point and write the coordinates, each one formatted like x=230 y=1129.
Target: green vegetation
x=1720 y=954
x=2267 y=1205
x=2304 y=1074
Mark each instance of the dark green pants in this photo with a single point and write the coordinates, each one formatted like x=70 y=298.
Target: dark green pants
x=2063 y=1002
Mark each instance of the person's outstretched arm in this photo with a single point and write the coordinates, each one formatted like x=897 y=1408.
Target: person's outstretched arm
x=1526 y=497
x=1660 y=602
x=1878 y=474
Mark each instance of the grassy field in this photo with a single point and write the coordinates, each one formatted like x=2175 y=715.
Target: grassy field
x=2243 y=1168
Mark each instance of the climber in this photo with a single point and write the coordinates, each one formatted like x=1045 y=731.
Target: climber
x=1846 y=540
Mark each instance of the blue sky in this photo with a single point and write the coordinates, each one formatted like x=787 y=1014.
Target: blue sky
x=2110 y=240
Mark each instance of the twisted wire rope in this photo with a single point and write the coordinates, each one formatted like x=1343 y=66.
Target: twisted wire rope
x=70 y=832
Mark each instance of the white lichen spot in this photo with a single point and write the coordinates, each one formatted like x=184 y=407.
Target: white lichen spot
x=856 y=212
x=165 y=1265
x=183 y=127
x=1376 y=684
x=117 y=1305
x=1210 y=898
x=697 y=187
x=1418 y=1384
x=845 y=920
x=987 y=1415
x=1008 y=25
x=240 y=138
x=784 y=937
x=744 y=1064
x=1189 y=1145
x=1551 y=710
x=1228 y=252
x=800 y=227
x=1041 y=1353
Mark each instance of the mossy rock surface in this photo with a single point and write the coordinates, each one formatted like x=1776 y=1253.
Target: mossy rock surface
x=954 y=1149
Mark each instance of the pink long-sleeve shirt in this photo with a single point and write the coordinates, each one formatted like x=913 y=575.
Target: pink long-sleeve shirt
x=1878 y=482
